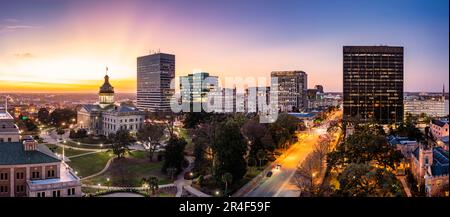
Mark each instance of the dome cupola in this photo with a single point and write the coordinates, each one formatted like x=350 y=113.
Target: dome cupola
x=106 y=93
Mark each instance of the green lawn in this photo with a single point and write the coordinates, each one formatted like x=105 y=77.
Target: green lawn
x=75 y=144
x=68 y=151
x=92 y=140
x=129 y=171
x=89 y=164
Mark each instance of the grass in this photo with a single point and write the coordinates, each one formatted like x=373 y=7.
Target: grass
x=67 y=151
x=129 y=171
x=90 y=164
x=75 y=144
x=91 y=140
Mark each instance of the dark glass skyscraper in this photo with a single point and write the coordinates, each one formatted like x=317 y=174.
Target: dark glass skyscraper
x=373 y=83
x=154 y=75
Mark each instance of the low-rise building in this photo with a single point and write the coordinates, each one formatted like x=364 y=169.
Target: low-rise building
x=430 y=167
x=439 y=128
x=107 y=117
x=404 y=145
x=9 y=132
x=31 y=169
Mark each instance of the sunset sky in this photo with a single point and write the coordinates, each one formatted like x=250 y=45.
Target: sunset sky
x=64 y=46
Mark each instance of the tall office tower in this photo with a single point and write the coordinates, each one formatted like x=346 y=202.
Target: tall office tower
x=255 y=98
x=196 y=89
x=373 y=83
x=291 y=90
x=154 y=75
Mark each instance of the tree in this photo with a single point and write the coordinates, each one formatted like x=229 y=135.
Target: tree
x=258 y=136
x=230 y=149
x=43 y=115
x=174 y=154
x=283 y=129
x=150 y=183
x=121 y=140
x=261 y=155
x=364 y=147
x=203 y=138
x=192 y=119
x=321 y=149
x=78 y=134
x=60 y=132
x=306 y=174
x=60 y=116
x=151 y=134
x=363 y=180
x=227 y=178
x=171 y=171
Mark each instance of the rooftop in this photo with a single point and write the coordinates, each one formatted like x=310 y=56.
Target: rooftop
x=440 y=123
x=5 y=116
x=65 y=176
x=12 y=153
x=302 y=115
x=440 y=161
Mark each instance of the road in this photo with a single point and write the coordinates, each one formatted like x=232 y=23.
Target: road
x=279 y=184
x=273 y=186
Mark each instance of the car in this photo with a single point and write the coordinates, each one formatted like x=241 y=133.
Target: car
x=269 y=174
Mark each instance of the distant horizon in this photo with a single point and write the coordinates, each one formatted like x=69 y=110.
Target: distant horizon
x=64 y=46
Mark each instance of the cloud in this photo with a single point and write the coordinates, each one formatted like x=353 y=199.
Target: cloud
x=24 y=55
x=12 y=25
x=11 y=20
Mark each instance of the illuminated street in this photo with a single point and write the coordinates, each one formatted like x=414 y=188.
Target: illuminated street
x=279 y=185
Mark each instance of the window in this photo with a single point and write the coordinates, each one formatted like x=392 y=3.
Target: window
x=51 y=173
x=9 y=140
x=35 y=175
x=20 y=188
x=41 y=194
x=70 y=191
x=3 y=176
x=3 y=189
x=19 y=175
x=56 y=193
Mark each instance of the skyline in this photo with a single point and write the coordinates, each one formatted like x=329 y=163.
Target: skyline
x=52 y=48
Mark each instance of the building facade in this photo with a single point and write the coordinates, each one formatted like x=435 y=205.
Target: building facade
x=439 y=128
x=9 y=132
x=431 y=106
x=106 y=117
x=195 y=87
x=430 y=167
x=29 y=169
x=154 y=76
x=255 y=98
x=291 y=89
x=373 y=83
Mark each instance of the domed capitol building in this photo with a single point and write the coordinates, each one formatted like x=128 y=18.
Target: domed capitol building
x=106 y=116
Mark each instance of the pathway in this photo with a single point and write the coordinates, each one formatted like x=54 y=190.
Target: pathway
x=405 y=185
x=102 y=171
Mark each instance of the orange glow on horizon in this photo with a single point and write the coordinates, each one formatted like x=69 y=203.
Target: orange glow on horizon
x=88 y=86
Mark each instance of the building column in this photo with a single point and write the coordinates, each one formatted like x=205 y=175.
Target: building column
x=43 y=172
x=27 y=173
x=11 y=182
